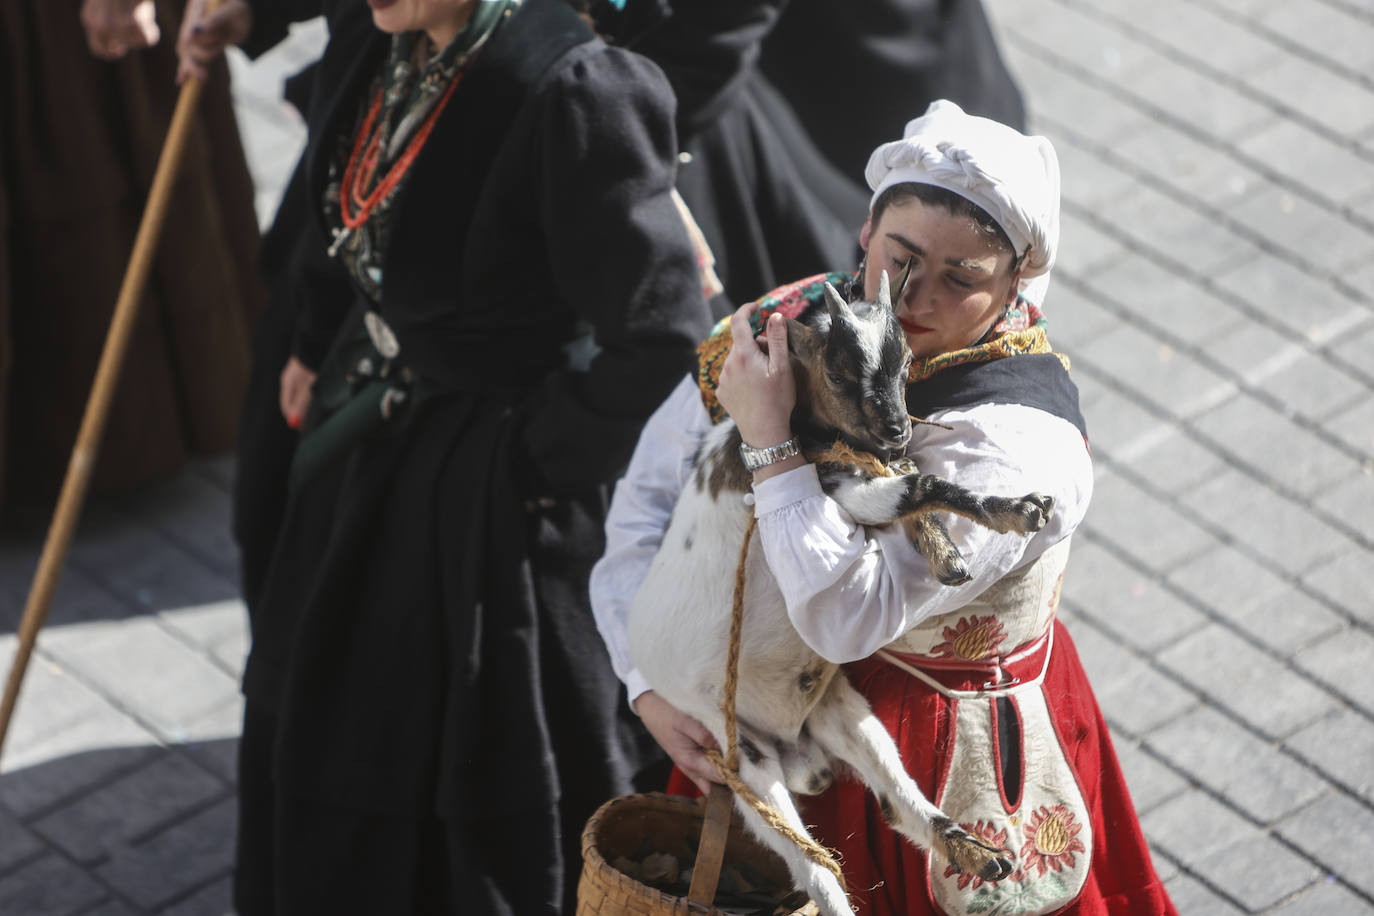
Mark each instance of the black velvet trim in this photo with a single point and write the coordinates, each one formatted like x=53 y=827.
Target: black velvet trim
x=1036 y=380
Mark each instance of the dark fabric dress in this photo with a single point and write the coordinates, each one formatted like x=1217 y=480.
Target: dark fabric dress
x=295 y=270
x=855 y=79
x=769 y=204
x=79 y=141
x=780 y=103
x=431 y=713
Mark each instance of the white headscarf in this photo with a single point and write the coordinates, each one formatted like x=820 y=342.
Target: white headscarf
x=1015 y=178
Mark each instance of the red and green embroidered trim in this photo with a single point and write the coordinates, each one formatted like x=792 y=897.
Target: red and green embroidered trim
x=790 y=300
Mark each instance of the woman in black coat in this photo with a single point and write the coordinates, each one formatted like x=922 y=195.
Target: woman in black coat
x=881 y=61
x=430 y=713
x=781 y=101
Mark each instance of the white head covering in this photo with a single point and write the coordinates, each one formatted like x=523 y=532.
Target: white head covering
x=1015 y=178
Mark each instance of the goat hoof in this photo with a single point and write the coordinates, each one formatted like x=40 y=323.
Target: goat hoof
x=954 y=574
x=968 y=853
x=947 y=565
x=1036 y=510
x=996 y=869
x=821 y=781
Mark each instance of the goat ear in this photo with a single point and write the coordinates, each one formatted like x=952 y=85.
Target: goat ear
x=836 y=304
x=801 y=339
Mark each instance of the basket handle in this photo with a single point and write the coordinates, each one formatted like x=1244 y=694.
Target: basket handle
x=715 y=829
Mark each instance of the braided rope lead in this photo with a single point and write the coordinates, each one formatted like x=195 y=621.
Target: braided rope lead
x=728 y=764
x=727 y=705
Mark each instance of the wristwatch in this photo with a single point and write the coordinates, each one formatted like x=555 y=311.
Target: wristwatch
x=755 y=458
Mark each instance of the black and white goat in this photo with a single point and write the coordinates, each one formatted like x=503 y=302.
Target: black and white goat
x=798 y=713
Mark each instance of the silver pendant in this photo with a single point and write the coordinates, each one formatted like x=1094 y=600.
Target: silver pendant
x=382 y=337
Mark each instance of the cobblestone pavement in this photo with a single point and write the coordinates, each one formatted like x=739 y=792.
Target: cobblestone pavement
x=1214 y=293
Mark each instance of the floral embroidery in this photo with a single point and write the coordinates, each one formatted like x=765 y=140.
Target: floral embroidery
x=1010 y=899
x=988 y=833
x=711 y=354
x=971 y=639
x=1051 y=839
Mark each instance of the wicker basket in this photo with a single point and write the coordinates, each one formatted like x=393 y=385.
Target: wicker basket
x=670 y=824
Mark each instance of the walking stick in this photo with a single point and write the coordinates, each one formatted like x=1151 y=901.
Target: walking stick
x=82 y=463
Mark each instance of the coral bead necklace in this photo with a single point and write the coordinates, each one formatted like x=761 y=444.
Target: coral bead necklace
x=359 y=191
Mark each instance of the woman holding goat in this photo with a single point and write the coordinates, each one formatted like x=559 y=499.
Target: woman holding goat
x=978 y=683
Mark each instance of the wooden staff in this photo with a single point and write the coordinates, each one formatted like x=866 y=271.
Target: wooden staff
x=82 y=463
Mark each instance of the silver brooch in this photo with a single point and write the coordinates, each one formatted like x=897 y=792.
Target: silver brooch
x=382 y=337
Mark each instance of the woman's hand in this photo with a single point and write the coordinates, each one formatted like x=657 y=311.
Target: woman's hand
x=683 y=737
x=756 y=386
x=116 y=27
x=296 y=381
x=205 y=36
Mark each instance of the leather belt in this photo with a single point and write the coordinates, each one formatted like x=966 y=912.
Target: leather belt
x=1021 y=669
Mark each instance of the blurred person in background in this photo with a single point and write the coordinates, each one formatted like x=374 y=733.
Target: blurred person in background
x=86 y=97
x=904 y=53
x=778 y=101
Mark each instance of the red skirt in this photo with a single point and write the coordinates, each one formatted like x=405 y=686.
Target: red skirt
x=887 y=875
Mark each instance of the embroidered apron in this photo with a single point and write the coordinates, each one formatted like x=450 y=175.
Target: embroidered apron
x=999 y=646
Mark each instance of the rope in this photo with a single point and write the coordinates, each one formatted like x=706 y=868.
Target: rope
x=814 y=851
x=727 y=705
x=841 y=454
x=728 y=764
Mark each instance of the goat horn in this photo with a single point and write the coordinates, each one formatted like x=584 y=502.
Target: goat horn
x=884 y=291
x=835 y=301
x=899 y=283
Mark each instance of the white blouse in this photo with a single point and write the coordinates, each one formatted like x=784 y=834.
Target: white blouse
x=850 y=590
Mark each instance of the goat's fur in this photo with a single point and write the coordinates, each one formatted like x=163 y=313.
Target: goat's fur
x=798 y=714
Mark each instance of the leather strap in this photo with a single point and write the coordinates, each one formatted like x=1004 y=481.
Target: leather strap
x=715 y=829
x=990 y=689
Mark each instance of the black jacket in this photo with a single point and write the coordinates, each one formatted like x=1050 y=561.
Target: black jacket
x=423 y=636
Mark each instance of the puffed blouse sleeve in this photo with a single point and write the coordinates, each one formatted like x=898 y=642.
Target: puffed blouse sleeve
x=850 y=590
x=620 y=257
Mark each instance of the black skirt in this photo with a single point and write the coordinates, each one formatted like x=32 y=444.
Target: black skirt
x=426 y=665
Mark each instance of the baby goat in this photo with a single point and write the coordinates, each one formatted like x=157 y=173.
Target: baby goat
x=797 y=712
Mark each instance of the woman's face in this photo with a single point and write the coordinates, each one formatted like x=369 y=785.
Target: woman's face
x=960 y=279
x=441 y=19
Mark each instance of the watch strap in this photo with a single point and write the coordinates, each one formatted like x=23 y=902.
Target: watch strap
x=756 y=458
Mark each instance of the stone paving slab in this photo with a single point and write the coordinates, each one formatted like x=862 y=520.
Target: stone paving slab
x=135 y=805
x=1214 y=293
x=1266 y=706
